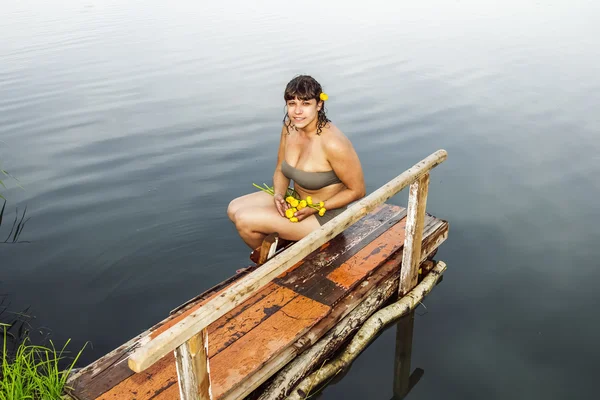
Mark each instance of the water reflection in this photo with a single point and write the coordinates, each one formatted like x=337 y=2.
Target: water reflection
x=14 y=326
x=17 y=226
x=404 y=380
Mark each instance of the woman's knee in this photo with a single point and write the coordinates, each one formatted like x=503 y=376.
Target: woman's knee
x=248 y=201
x=244 y=220
x=233 y=208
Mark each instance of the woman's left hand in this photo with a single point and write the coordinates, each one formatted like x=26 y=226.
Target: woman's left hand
x=305 y=213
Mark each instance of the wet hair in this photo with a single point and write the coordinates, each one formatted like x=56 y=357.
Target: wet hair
x=305 y=87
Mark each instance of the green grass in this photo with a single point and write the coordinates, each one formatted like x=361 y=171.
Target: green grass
x=33 y=371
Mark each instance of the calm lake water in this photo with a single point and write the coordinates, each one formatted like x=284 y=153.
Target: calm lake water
x=132 y=124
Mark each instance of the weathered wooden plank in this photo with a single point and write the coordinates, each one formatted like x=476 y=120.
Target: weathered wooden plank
x=96 y=378
x=344 y=246
x=147 y=354
x=377 y=251
x=329 y=284
x=228 y=332
x=266 y=291
x=417 y=201
x=256 y=347
x=193 y=370
x=151 y=384
x=354 y=270
x=211 y=292
x=310 y=279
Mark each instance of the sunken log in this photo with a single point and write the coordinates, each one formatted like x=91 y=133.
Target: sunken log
x=371 y=328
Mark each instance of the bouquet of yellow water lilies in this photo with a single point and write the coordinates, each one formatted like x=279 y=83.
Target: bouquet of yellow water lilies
x=296 y=203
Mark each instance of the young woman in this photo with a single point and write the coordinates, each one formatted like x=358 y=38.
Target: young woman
x=320 y=160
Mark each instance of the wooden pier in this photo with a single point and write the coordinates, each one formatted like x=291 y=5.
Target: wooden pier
x=257 y=334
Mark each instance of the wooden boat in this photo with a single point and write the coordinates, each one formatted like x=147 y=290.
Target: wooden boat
x=232 y=340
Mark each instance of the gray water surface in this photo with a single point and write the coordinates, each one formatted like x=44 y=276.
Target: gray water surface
x=132 y=124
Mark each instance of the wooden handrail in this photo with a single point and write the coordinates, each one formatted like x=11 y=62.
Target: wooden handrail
x=152 y=351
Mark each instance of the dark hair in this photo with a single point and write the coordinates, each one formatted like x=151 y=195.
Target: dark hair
x=305 y=87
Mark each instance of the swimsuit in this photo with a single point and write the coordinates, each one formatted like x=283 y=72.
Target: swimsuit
x=313 y=181
x=309 y=180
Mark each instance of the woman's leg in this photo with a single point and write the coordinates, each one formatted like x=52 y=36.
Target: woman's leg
x=257 y=199
x=254 y=223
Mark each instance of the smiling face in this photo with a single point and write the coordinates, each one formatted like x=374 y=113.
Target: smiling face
x=303 y=113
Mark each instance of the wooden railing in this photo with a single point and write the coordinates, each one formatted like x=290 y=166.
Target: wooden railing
x=189 y=338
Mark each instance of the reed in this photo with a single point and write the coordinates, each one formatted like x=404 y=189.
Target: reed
x=34 y=372
x=17 y=226
x=6 y=174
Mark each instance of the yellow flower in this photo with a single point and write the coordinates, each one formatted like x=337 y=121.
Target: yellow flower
x=289 y=212
x=302 y=204
x=322 y=211
x=309 y=200
x=323 y=96
x=294 y=202
x=289 y=199
x=321 y=204
x=294 y=219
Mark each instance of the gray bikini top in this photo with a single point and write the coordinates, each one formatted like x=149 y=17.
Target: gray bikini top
x=309 y=180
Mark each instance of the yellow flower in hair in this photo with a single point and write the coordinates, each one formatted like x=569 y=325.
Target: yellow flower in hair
x=323 y=96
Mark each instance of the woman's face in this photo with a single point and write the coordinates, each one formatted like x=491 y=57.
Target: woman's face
x=303 y=112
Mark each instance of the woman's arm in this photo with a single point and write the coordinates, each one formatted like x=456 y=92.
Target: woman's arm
x=346 y=165
x=280 y=182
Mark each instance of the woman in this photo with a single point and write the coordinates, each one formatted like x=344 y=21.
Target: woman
x=320 y=160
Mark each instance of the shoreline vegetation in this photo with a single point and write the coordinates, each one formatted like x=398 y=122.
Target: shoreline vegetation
x=28 y=370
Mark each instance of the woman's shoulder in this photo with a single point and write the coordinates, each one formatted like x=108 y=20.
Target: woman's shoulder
x=333 y=139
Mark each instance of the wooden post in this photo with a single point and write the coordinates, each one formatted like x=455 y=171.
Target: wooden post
x=415 y=217
x=404 y=335
x=193 y=370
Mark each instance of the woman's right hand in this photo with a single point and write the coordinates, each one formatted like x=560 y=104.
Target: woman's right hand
x=280 y=204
